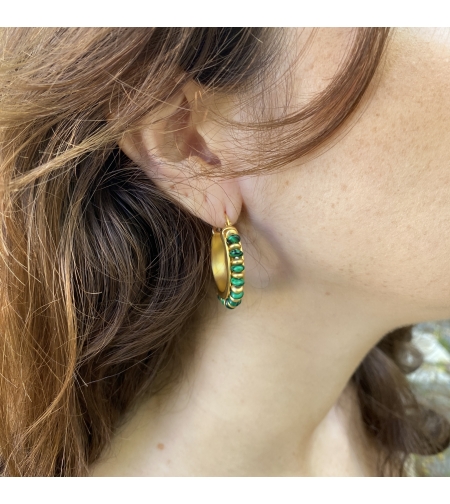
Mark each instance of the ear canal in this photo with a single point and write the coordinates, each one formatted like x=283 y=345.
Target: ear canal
x=183 y=139
x=197 y=147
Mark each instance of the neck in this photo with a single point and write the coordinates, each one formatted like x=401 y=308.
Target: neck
x=267 y=390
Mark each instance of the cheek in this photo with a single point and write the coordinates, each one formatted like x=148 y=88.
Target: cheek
x=374 y=210
x=351 y=232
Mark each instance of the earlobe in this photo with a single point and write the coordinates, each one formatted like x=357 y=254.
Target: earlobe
x=170 y=149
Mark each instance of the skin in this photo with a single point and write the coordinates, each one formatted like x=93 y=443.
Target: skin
x=340 y=249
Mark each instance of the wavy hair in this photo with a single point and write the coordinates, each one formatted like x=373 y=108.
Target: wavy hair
x=100 y=270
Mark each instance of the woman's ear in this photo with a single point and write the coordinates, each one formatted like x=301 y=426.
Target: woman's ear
x=174 y=146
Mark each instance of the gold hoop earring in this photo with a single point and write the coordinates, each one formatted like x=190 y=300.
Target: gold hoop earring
x=227 y=262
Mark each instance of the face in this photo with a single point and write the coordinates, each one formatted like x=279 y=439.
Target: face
x=371 y=213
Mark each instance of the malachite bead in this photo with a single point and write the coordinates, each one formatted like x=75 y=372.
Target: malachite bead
x=233 y=239
x=236 y=295
x=233 y=303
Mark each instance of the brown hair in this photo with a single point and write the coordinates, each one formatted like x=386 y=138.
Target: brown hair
x=100 y=270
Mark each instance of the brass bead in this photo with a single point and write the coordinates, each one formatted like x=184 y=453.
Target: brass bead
x=224 y=255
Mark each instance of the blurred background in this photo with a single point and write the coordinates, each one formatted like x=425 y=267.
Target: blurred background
x=431 y=383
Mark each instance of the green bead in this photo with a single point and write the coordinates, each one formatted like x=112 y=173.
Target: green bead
x=236 y=295
x=238 y=268
x=237 y=281
x=233 y=239
x=233 y=303
x=236 y=253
